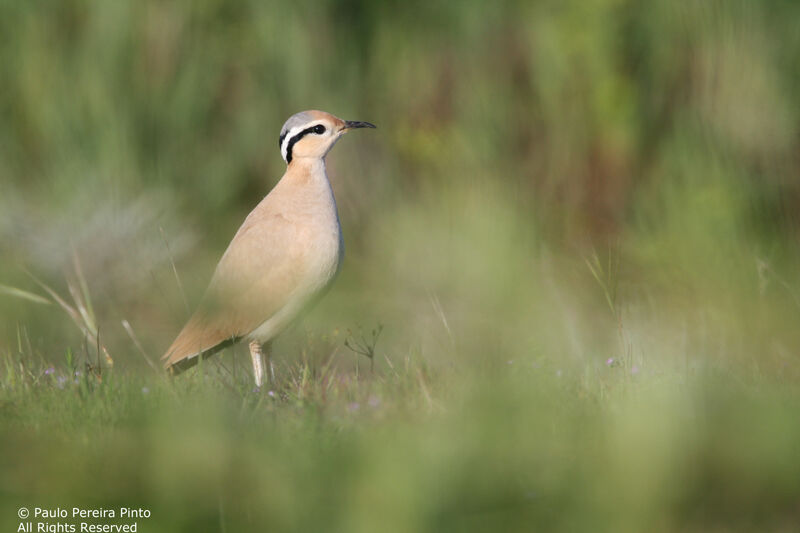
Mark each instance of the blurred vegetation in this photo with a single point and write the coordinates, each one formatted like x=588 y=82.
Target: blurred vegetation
x=577 y=223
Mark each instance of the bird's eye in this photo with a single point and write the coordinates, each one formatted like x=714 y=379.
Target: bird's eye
x=319 y=129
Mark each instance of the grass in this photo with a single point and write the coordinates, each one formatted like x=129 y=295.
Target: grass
x=627 y=388
x=611 y=391
x=405 y=444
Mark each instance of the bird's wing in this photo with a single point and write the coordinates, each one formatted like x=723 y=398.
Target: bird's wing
x=254 y=279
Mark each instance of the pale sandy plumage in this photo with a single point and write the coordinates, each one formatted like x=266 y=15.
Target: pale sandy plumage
x=285 y=254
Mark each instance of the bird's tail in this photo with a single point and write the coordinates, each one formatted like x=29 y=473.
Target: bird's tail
x=195 y=341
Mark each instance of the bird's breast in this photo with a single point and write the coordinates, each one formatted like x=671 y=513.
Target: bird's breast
x=326 y=249
x=298 y=228
x=318 y=243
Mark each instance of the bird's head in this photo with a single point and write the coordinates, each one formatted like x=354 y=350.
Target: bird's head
x=313 y=133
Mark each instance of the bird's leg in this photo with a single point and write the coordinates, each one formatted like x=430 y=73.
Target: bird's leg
x=257 y=354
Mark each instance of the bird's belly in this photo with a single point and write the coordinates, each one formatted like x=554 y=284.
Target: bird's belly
x=321 y=261
x=278 y=322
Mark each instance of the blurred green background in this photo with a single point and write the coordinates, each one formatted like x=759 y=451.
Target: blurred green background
x=577 y=225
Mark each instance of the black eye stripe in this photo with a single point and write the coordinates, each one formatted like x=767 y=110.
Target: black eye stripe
x=297 y=137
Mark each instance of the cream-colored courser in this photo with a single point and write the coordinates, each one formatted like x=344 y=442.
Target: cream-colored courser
x=285 y=254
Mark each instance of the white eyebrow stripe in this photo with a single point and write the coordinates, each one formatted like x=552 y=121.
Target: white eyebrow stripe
x=291 y=133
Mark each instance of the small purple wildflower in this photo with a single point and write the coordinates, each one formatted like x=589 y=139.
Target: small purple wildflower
x=49 y=371
x=61 y=381
x=271 y=394
x=609 y=361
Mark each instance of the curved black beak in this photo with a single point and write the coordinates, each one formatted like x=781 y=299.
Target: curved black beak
x=353 y=124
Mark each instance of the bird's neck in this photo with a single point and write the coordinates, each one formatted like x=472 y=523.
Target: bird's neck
x=307 y=169
x=306 y=194
x=307 y=182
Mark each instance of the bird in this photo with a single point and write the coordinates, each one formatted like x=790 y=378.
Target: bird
x=282 y=259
